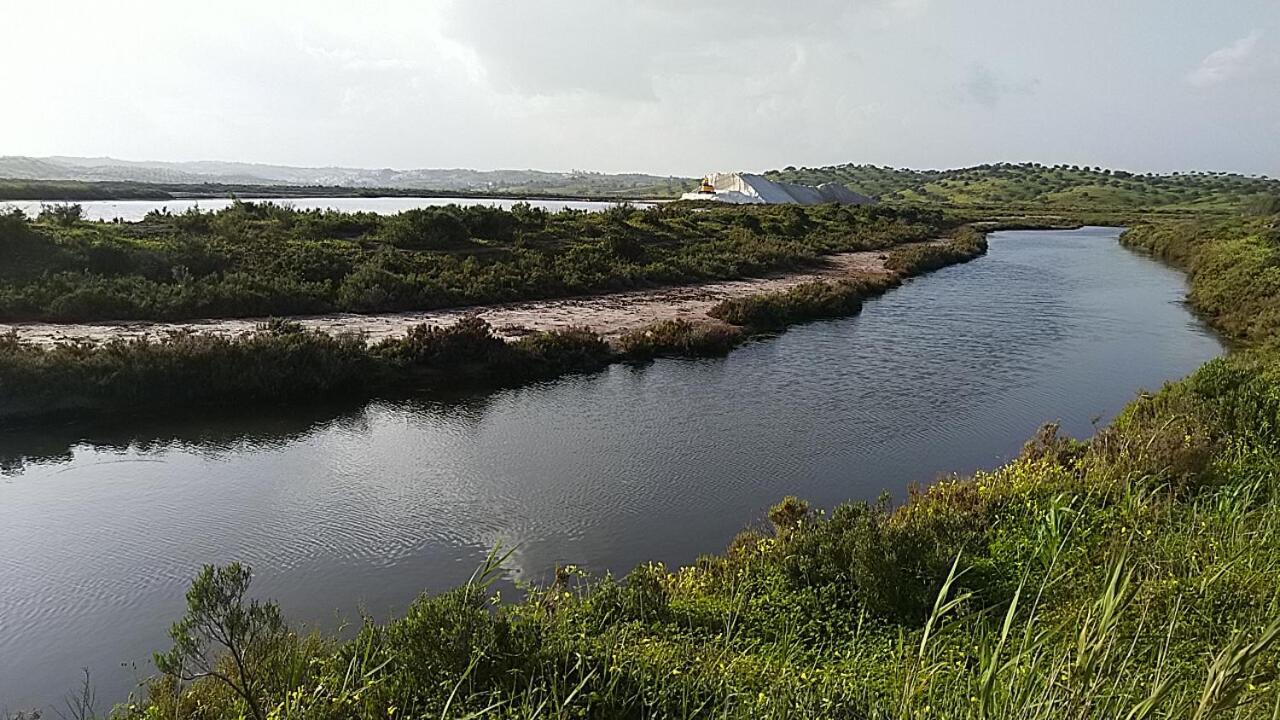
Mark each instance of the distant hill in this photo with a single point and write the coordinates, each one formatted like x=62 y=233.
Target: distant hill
x=1003 y=185
x=1033 y=184
x=523 y=182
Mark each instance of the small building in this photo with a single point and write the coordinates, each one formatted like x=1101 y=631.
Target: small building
x=745 y=188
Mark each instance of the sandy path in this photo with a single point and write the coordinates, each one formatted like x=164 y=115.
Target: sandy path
x=610 y=315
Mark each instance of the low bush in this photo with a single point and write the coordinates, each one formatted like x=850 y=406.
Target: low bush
x=679 y=338
x=920 y=258
x=807 y=301
x=279 y=362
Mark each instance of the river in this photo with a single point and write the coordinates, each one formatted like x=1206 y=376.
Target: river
x=344 y=509
x=134 y=210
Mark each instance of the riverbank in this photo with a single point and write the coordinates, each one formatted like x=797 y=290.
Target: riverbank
x=259 y=259
x=1064 y=584
x=610 y=315
x=284 y=361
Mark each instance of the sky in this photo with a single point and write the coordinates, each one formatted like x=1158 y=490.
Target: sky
x=649 y=86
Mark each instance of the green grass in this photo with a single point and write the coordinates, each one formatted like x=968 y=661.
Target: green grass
x=1132 y=575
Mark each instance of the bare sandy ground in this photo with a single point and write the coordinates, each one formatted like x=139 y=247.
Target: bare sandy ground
x=610 y=315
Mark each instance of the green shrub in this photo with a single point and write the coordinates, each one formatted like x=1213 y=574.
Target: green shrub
x=470 y=341
x=279 y=362
x=571 y=349
x=921 y=258
x=66 y=214
x=427 y=229
x=807 y=301
x=788 y=515
x=1263 y=204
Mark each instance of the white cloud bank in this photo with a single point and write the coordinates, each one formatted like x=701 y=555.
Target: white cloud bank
x=1227 y=63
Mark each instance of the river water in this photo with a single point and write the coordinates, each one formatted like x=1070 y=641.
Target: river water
x=344 y=509
x=134 y=210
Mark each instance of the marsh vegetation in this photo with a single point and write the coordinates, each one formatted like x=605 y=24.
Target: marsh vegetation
x=256 y=260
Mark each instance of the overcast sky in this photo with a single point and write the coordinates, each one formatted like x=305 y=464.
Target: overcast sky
x=654 y=85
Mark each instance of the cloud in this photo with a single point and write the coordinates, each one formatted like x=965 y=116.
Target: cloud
x=629 y=51
x=986 y=88
x=908 y=8
x=1227 y=63
x=658 y=85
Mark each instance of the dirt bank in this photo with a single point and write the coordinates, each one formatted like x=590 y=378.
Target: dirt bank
x=610 y=315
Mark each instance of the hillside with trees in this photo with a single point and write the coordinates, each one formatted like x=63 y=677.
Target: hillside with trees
x=19 y=174
x=1033 y=185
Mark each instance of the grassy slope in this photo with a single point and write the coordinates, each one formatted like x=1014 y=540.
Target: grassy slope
x=1133 y=575
x=1035 y=186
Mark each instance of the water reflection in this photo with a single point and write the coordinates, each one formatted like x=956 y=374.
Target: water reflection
x=218 y=432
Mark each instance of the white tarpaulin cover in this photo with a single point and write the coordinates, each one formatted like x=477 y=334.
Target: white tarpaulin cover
x=747 y=188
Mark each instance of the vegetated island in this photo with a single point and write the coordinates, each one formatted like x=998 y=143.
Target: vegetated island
x=262 y=259
x=1132 y=575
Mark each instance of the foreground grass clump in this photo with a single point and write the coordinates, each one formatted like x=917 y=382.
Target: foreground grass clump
x=260 y=259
